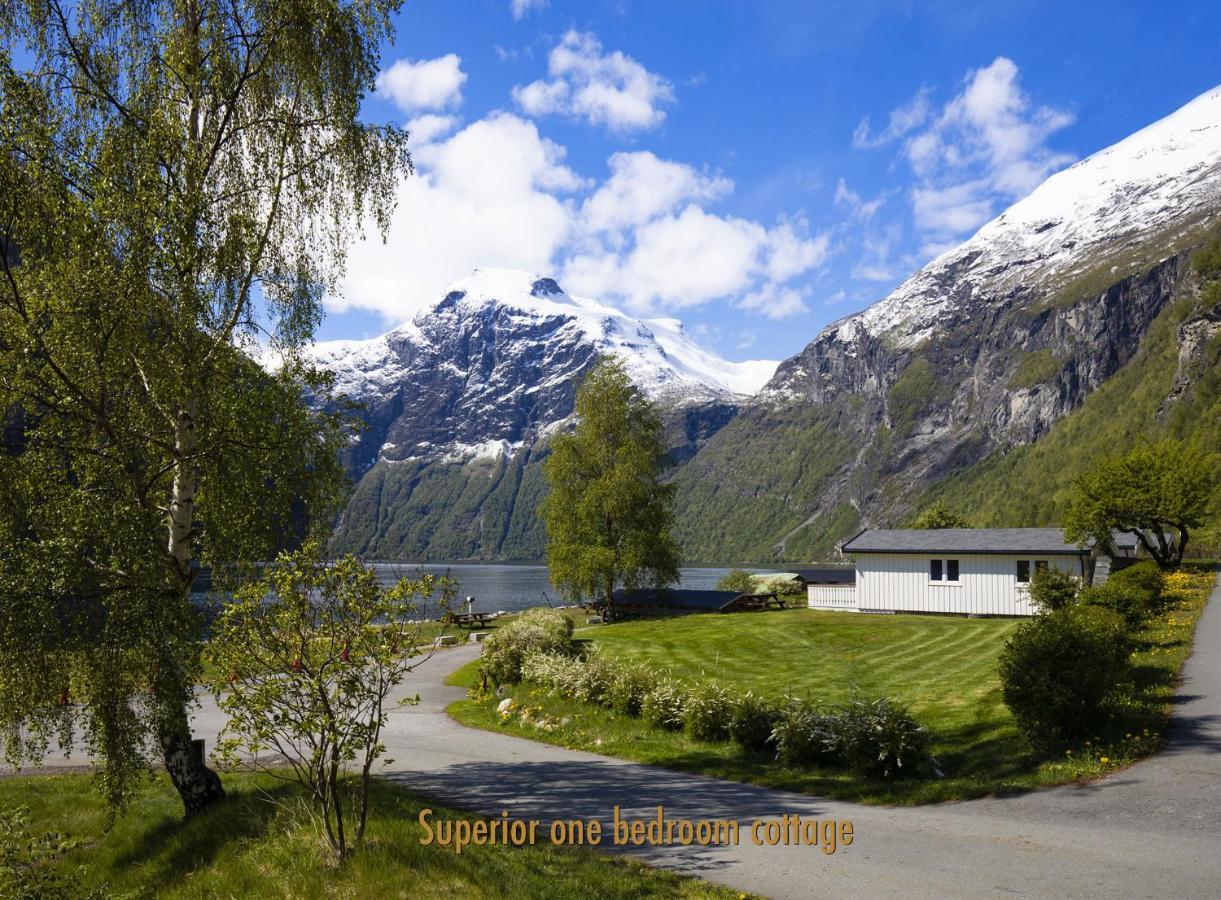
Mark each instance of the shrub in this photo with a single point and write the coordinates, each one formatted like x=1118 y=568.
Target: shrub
x=1135 y=593
x=803 y=735
x=1052 y=588
x=752 y=722
x=663 y=706
x=627 y=691
x=737 y=580
x=535 y=630
x=595 y=676
x=707 y=712
x=880 y=737
x=556 y=671
x=1061 y=671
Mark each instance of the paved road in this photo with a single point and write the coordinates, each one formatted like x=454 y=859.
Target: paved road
x=1153 y=830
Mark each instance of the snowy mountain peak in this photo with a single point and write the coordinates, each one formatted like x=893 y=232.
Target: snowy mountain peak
x=659 y=355
x=1166 y=176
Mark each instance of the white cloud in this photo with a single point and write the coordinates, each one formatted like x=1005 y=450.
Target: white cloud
x=426 y=128
x=642 y=187
x=846 y=198
x=610 y=89
x=903 y=120
x=426 y=84
x=494 y=194
x=985 y=148
x=519 y=8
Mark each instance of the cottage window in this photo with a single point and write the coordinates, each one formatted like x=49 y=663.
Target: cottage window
x=1023 y=571
x=943 y=570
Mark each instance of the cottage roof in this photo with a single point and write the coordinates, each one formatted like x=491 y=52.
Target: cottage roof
x=1042 y=541
x=677 y=599
x=827 y=575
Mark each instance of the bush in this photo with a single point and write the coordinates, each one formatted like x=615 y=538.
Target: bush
x=535 y=630
x=595 y=676
x=1136 y=593
x=880 y=737
x=663 y=706
x=803 y=735
x=628 y=689
x=556 y=671
x=707 y=712
x=1061 y=671
x=752 y=722
x=1052 y=588
x=738 y=580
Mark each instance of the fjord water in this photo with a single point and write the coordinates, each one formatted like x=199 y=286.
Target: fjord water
x=510 y=587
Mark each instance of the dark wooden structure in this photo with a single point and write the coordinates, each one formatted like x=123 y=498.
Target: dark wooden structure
x=649 y=602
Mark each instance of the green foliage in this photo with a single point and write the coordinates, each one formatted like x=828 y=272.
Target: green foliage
x=29 y=862
x=1153 y=489
x=1062 y=672
x=608 y=515
x=803 y=735
x=752 y=721
x=1052 y=588
x=178 y=180
x=304 y=661
x=911 y=394
x=1035 y=367
x=738 y=580
x=879 y=737
x=1135 y=593
x=708 y=712
x=537 y=630
x=664 y=705
x=939 y=515
x=628 y=689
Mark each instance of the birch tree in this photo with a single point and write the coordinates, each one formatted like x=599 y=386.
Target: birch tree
x=178 y=178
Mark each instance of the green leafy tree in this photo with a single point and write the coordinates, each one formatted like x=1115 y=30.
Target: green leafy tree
x=608 y=513
x=737 y=580
x=940 y=516
x=177 y=179
x=303 y=663
x=1157 y=492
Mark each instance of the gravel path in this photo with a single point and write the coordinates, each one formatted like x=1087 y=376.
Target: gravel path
x=1149 y=831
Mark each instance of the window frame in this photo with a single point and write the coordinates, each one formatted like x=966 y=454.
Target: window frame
x=941 y=565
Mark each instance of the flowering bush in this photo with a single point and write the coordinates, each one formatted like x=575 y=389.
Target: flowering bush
x=752 y=721
x=627 y=689
x=707 y=712
x=535 y=630
x=663 y=706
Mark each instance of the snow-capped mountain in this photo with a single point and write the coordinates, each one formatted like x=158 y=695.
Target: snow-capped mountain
x=493 y=363
x=984 y=350
x=1122 y=207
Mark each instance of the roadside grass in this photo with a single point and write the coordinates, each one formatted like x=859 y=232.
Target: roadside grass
x=945 y=668
x=261 y=841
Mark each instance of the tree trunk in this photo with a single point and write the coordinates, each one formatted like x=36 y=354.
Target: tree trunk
x=197 y=785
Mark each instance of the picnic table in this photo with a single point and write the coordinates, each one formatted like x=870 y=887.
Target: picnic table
x=471 y=619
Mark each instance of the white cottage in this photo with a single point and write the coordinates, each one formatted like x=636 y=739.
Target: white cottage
x=964 y=571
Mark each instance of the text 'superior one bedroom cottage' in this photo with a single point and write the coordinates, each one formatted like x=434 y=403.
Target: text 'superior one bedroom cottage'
x=964 y=571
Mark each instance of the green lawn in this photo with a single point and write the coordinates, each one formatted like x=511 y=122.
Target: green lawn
x=261 y=842
x=944 y=667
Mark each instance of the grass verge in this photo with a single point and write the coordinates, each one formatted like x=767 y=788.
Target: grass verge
x=261 y=841
x=945 y=668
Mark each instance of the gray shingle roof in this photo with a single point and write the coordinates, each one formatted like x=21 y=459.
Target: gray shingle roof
x=677 y=599
x=1047 y=541
x=827 y=575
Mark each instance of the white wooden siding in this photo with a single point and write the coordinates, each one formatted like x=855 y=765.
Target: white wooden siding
x=987 y=584
x=832 y=596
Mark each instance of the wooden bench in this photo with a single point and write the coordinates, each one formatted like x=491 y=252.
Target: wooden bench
x=470 y=620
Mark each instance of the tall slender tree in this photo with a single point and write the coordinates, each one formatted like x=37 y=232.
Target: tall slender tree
x=608 y=513
x=178 y=178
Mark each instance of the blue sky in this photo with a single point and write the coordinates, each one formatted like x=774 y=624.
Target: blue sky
x=757 y=169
